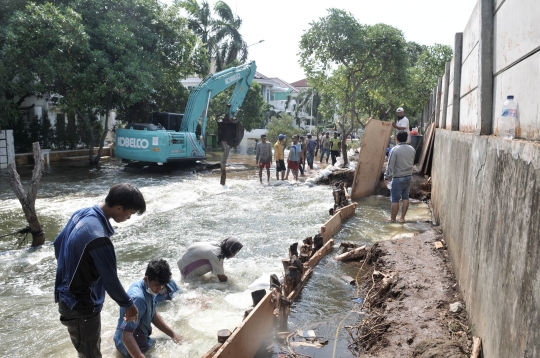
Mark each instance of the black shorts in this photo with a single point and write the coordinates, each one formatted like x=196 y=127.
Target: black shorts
x=280 y=165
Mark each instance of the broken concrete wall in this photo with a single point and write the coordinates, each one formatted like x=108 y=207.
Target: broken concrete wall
x=486 y=195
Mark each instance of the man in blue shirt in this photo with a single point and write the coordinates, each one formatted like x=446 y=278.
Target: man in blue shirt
x=133 y=338
x=294 y=158
x=87 y=267
x=311 y=145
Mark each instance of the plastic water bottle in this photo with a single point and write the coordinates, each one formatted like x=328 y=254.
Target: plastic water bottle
x=508 y=119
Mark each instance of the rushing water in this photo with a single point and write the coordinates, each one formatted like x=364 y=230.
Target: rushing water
x=182 y=208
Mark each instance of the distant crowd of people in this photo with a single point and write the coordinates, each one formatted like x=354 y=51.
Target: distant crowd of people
x=87 y=261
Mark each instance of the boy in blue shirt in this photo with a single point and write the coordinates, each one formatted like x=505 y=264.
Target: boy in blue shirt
x=133 y=338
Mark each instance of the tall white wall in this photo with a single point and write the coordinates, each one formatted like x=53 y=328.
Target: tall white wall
x=7 y=151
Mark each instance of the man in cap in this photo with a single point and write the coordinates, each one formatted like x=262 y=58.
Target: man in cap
x=294 y=158
x=325 y=146
x=311 y=145
x=279 y=157
x=264 y=157
x=402 y=123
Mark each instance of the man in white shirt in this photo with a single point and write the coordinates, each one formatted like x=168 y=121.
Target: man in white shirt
x=402 y=123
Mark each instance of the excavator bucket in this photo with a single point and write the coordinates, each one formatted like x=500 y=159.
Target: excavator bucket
x=230 y=132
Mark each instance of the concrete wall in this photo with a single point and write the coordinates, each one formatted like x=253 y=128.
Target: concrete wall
x=486 y=196
x=486 y=190
x=7 y=151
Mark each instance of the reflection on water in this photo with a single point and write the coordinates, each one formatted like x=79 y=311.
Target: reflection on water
x=181 y=208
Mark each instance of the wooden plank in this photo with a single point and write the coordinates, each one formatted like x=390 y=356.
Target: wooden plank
x=292 y=296
x=347 y=211
x=212 y=351
x=371 y=159
x=331 y=227
x=314 y=260
x=427 y=140
x=426 y=168
x=248 y=337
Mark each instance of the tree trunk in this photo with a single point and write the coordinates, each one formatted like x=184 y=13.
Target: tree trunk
x=91 y=134
x=105 y=131
x=28 y=199
x=223 y=163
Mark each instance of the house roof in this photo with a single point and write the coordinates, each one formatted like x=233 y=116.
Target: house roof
x=301 y=83
x=260 y=76
x=284 y=84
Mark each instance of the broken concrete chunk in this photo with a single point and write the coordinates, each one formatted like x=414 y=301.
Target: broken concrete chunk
x=456 y=307
x=438 y=245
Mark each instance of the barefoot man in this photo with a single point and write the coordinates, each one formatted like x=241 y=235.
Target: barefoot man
x=399 y=169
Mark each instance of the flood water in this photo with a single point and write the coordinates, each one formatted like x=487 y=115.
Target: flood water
x=183 y=208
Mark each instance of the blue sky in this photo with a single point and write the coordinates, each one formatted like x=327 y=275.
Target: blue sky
x=281 y=23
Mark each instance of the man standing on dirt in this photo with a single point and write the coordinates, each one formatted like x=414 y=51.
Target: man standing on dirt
x=279 y=157
x=335 y=148
x=87 y=267
x=311 y=145
x=294 y=158
x=399 y=169
x=263 y=157
x=402 y=123
x=325 y=146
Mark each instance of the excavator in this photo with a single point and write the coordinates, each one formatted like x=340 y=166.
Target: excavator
x=171 y=137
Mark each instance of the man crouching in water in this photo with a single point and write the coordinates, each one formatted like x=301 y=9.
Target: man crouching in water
x=203 y=257
x=133 y=338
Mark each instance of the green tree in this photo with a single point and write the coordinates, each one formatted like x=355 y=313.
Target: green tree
x=134 y=45
x=40 y=46
x=251 y=113
x=282 y=125
x=219 y=32
x=341 y=55
x=423 y=75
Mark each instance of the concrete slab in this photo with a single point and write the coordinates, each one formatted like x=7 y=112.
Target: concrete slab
x=512 y=41
x=372 y=154
x=522 y=81
x=471 y=34
x=468 y=112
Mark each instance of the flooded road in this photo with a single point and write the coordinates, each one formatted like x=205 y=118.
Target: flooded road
x=182 y=208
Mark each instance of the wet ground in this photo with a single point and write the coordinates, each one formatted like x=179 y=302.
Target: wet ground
x=183 y=207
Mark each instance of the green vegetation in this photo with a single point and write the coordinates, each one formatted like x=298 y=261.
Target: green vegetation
x=361 y=71
x=282 y=125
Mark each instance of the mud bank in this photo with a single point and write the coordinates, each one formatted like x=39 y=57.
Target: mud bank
x=408 y=292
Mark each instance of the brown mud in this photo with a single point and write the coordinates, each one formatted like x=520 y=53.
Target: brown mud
x=408 y=291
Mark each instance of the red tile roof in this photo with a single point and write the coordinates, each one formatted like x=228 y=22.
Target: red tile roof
x=301 y=83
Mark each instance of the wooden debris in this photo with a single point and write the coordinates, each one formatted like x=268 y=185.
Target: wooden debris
x=349 y=280
x=477 y=347
x=356 y=253
x=223 y=335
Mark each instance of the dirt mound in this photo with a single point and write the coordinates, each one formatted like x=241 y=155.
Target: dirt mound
x=407 y=297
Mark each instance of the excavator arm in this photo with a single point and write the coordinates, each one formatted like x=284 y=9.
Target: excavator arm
x=199 y=99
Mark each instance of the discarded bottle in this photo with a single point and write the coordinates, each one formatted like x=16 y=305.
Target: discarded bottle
x=508 y=119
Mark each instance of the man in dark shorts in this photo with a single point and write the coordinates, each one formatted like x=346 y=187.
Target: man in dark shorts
x=87 y=267
x=279 y=157
x=399 y=169
x=263 y=157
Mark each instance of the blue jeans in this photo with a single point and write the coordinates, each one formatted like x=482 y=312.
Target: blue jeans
x=327 y=151
x=310 y=159
x=400 y=188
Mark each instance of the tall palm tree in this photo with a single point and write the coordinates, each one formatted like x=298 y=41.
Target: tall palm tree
x=219 y=31
x=308 y=101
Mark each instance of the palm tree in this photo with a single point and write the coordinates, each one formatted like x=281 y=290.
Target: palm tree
x=308 y=101
x=220 y=34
